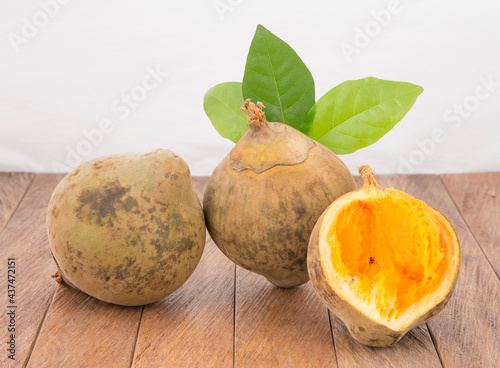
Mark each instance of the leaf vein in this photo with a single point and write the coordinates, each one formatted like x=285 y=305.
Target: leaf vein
x=274 y=78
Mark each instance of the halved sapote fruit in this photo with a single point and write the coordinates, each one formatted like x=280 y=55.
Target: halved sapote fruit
x=383 y=261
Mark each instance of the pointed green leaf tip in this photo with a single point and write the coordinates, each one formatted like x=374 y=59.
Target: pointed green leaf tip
x=276 y=76
x=359 y=112
x=222 y=105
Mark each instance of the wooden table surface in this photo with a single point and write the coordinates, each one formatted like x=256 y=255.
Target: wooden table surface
x=225 y=316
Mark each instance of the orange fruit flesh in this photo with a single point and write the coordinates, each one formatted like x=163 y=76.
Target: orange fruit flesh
x=393 y=249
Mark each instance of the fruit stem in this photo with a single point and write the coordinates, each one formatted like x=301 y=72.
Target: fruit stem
x=58 y=277
x=368 y=176
x=255 y=115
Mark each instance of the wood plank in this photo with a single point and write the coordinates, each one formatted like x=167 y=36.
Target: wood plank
x=273 y=327
x=477 y=196
x=278 y=327
x=25 y=238
x=466 y=333
x=416 y=344
x=81 y=331
x=193 y=327
x=13 y=186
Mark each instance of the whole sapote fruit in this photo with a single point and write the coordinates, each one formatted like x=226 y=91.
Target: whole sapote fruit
x=127 y=228
x=263 y=199
x=383 y=261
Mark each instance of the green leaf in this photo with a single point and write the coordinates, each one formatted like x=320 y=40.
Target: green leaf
x=222 y=105
x=276 y=76
x=359 y=112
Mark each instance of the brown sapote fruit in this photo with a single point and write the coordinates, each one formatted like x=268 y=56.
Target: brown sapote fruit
x=382 y=261
x=127 y=228
x=263 y=199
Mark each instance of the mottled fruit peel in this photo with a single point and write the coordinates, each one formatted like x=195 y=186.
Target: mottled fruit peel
x=263 y=199
x=383 y=261
x=127 y=228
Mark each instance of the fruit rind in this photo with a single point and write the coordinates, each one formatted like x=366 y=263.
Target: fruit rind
x=127 y=228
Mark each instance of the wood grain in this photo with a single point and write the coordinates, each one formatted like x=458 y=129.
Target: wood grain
x=278 y=327
x=416 y=344
x=477 y=196
x=466 y=333
x=271 y=326
x=193 y=327
x=13 y=186
x=81 y=331
x=25 y=238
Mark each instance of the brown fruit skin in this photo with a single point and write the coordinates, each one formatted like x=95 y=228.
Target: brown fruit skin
x=127 y=228
x=262 y=221
x=361 y=328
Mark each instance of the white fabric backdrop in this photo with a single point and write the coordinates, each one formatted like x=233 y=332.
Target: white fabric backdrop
x=67 y=67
